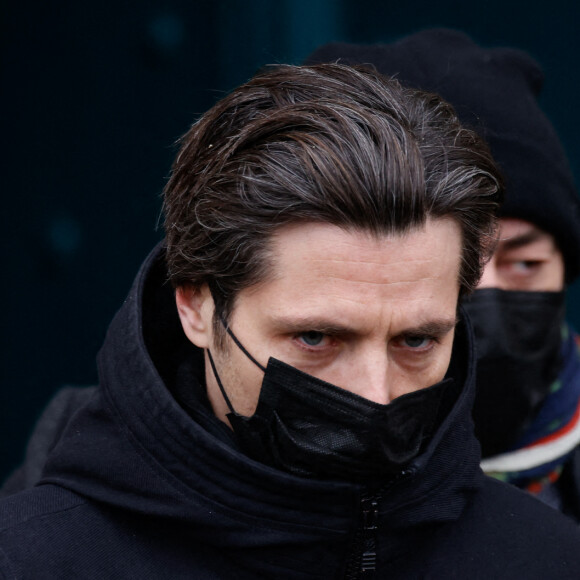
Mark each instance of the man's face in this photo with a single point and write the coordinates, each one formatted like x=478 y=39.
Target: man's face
x=375 y=316
x=526 y=258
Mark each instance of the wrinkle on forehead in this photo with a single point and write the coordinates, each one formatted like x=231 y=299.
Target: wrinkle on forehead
x=312 y=259
x=382 y=282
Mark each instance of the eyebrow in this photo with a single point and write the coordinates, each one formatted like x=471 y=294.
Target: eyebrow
x=515 y=242
x=433 y=328
x=437 y=327
x=311 y=323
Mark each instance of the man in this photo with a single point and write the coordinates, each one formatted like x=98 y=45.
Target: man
x=527 y=409
x=299 y=406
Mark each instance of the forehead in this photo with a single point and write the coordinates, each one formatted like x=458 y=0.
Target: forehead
x=325 y=248
x=516 y=233
x=322 y=269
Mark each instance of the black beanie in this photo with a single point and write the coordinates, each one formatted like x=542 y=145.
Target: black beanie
x=494 y=91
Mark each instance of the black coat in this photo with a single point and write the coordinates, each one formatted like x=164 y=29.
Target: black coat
x=137 y=488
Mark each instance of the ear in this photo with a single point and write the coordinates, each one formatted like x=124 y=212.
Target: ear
x=195 y=307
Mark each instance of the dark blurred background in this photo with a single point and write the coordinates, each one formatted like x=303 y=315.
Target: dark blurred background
x=93 y=95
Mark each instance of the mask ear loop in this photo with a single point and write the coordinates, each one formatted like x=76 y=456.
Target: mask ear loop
x=219 y=382
x=214 y=369
x=241 y=346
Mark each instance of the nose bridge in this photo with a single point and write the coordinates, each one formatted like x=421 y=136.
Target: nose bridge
x=370 y=375
x=490 y=277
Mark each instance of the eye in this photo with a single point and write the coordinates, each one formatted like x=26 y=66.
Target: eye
x=524 y=265
x=311 y=338
x=417 y=341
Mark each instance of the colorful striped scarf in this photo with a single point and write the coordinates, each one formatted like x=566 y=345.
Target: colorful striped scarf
x=537 y=459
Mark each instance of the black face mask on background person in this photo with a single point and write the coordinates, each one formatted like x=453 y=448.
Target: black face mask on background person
x=518 y=337
x=311 y=428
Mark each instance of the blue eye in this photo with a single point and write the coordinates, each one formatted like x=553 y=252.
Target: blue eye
x=525 y=266
x=416 y=341
x=312 y=338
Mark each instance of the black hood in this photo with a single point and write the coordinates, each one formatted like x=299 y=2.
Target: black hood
x=134 y=449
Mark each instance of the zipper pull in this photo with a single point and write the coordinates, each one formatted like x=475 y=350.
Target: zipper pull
x=370 y=513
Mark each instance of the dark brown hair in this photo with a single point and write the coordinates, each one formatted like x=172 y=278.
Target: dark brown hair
x=326 y=143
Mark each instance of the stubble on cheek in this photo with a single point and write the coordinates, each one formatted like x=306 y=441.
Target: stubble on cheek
x=241 y=380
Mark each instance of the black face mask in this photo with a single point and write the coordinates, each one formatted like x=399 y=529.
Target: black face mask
x=311 y=428
x=518 y=339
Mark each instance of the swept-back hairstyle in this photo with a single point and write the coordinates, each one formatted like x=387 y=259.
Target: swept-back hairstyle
x=327 y=143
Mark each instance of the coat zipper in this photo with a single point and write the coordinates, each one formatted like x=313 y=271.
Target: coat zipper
x=363 y=561
x=370 y=520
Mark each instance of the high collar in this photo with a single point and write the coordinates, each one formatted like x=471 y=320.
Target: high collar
x=135 y=448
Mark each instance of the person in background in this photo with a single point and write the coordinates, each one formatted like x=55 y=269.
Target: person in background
x=527 y=406
x=46 y=434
